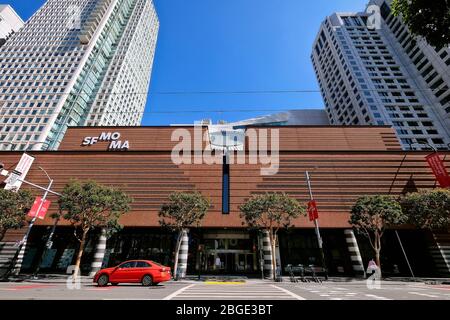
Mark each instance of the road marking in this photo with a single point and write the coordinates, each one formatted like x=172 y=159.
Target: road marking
x=258 y=297
x=225 y=283
x=173 y=295
x=288 y=292
x=26 y=287
x=377 y=297
x=424 y=294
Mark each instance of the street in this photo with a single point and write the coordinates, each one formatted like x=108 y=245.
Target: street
x=249 y=290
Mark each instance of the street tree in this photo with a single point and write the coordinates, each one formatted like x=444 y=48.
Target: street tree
x=372 y=215
x=87 y=205
x=13 y=209
x=428 y=209
x=271 y=212
x=183 y=210
x=427 y=19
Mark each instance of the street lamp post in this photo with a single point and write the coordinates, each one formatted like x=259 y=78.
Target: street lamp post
x=316 y=225
x=48 y=243
x=47 y=190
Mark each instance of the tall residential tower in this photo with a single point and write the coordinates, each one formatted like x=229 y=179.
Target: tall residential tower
x=10 y=22
x=76 y=63
x=381 y=75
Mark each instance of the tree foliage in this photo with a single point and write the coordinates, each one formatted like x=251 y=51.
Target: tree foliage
x=372 y=215
x=88 y=205
x=425 y=18
x=271 y=210
x=428 y=209
x=183 y=210
x=14 y=207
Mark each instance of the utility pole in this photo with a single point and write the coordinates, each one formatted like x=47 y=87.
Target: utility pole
x=316 y=225
x=46 y=190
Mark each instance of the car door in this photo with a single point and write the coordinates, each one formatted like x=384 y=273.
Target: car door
x=123 y=273
x=142 y=268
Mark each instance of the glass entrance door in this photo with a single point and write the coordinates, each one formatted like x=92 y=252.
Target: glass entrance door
x=233 y=256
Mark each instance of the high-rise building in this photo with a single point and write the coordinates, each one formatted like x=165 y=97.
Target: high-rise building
x=382 y=75
x=10 y=22
x=76 y=63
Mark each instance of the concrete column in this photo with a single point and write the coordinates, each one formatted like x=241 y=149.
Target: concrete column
x=183 y=254
x=355 y=255
x=440 y=252
x=18 y=265
x=99 y=255
x=267 y=254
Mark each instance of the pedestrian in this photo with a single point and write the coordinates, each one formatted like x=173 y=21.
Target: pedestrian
x=372 y=267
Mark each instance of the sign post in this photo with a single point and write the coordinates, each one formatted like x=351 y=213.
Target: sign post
x=38 y=210
x=314 y=216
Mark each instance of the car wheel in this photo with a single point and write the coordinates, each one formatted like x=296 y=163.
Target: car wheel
x=147 y=281
x=103 y=280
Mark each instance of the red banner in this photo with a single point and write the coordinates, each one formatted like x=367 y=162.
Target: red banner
x=439 y=170
x=312 y=210
x=43 y=209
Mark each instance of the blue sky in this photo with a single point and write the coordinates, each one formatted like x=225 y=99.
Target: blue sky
x=227 y=47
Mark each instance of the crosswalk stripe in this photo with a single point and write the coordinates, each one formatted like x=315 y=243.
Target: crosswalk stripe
x=289 y=292
x=199 y=291
x=174 y=294
x=377 y=297
x=424 y=294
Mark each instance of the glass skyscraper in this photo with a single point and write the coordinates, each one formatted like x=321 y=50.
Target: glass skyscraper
x=76 y=63
x=383 y=75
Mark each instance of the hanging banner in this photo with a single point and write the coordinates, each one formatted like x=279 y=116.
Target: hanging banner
x=312 y=210
x=39 y=210
x=20 y=172
x=437 y=165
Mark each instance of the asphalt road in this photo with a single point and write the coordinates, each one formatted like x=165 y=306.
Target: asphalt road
x=250 y=290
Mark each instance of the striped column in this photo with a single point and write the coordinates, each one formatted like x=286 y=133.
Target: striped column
x=355 y=255
x=440 y=251
x=183 y=254
x=267 y=254
x=99 y=253
x=18 y=265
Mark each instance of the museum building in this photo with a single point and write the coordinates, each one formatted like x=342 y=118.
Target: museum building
x=344 y=163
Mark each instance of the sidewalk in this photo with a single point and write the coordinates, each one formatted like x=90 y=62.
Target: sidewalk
x=62 y=278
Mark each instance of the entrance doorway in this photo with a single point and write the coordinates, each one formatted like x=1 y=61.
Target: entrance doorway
x=232 y=254
x=226 y=262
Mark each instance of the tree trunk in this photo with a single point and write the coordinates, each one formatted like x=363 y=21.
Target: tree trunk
x=2 y=233
x=274 y=264
x=378 y=251
x=80 y=254
x=177 y=252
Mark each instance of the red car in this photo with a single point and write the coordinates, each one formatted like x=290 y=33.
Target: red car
x=135 y=271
